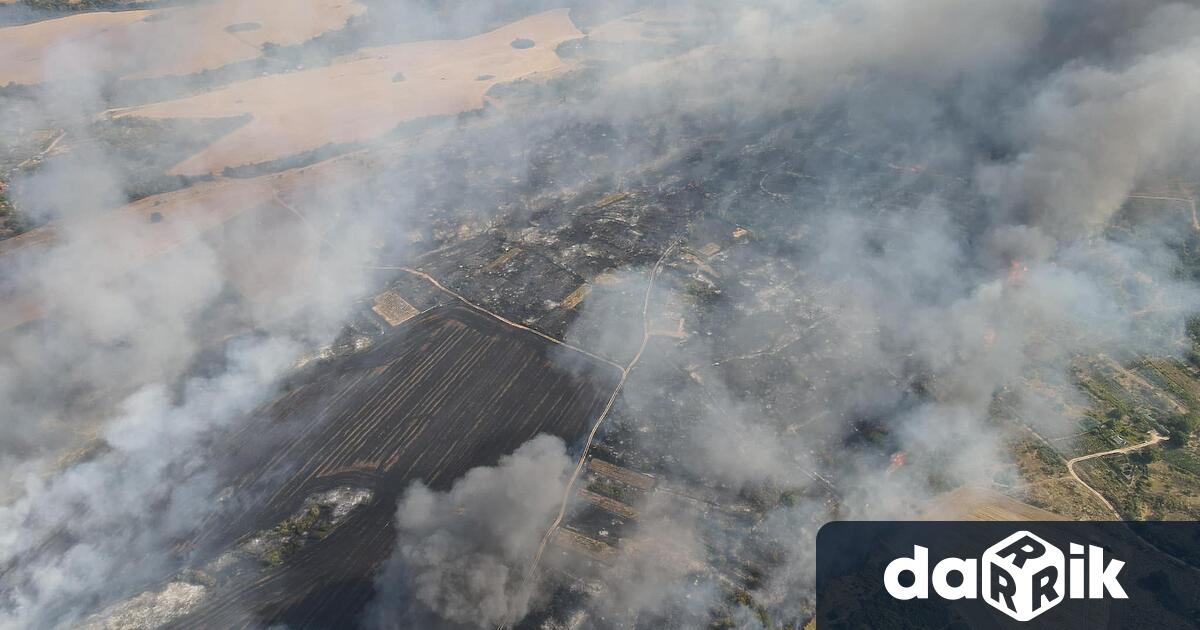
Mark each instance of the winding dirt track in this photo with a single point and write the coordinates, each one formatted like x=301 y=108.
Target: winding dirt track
x=1155 y=438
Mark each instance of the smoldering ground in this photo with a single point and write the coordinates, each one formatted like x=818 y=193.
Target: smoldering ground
x=918 y=319
x=124 y=357
x=916 y=323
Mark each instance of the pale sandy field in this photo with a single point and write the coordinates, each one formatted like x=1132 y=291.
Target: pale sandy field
x=356 y=98
x=270 y=221
x=161 y=42
x=980 y=504
x=366 y=95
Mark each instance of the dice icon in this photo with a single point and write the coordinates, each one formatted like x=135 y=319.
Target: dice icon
x=1023 y=576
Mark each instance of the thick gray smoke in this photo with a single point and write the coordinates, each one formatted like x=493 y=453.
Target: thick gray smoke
x=69 y=535
x=1049 y=112
x=1090 y=134
x=113 y=404
x=959 y=302
x=461 y=554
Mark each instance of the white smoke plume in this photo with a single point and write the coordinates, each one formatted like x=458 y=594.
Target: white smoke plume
x=461 y=555
x=1050 y=112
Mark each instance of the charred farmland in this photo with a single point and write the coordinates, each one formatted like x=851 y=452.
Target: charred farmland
x=448 y=390
x=766 y=295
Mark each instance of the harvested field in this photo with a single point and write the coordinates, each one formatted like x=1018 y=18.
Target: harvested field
x=610 y=199
x=977 y=504
x=358 y=98
x=574 y=298
x=183 y=216
x=448 y=390
x=393 y=308
x=569 y=540
x=609 y=504
x=185 y=40
x=638 y=480
x=502 y=259
x=186 y=212
x=152 y=226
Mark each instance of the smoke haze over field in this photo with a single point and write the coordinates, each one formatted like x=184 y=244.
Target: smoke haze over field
x=1044 y=114
x=461 y=554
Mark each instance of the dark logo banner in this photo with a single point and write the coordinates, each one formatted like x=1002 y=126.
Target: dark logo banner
x=984 y=575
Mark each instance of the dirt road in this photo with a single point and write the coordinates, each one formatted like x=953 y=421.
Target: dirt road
x=587 y=447
x=1155 y=438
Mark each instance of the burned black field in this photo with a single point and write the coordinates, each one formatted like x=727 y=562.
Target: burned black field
x=448 y=390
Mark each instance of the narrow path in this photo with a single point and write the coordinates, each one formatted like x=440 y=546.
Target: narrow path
x=61 y=134
x=431 y=280
x=587 y=447
x=1188 y=200
x=612 y=399
x=299 y=215
x=1155 y=438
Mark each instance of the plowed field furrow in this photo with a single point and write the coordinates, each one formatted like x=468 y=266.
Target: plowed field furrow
x=447 y=390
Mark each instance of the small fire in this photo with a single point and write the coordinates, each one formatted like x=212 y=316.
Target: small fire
x=1017 y=271
x=898 y=460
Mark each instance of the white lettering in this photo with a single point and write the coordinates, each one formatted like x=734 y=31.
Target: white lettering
x=918 y=565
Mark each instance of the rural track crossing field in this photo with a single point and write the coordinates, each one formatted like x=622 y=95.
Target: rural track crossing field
x=448 y=390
